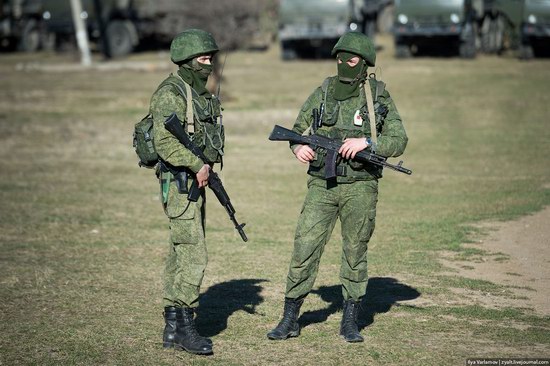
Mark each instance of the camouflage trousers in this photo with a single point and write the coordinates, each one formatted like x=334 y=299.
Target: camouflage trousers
x=355 y=205
x=187 y=255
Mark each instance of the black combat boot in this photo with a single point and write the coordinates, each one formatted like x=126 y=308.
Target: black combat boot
x=288 y=326
x=348 y=326
x=187 y=337
x=171 y=326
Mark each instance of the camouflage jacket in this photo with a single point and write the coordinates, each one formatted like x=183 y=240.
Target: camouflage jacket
x=338 y=122
x=166 y=100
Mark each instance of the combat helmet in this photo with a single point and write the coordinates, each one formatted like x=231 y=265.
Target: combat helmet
x=357 y=43
x=192 y=43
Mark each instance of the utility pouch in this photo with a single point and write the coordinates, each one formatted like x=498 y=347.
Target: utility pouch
x=143 y=142
x=319 y=160
x=213 y=141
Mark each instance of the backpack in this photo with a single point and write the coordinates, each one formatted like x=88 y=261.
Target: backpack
x=143 y=133
x=143 y=142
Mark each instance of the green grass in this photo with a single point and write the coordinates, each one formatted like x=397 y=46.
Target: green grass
x=83 y=236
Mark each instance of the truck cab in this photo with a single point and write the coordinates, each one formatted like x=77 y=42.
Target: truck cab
x=535 y=29
x=423 y=24
x=309 y=28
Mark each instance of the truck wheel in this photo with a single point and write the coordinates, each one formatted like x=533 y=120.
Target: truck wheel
x=385 y=19
x=119 y=38
x=402 y=51
x=492 y=34
x=288 y=52
x=526 y=52
x=370 y=28
x=30 y=37
x=467 y=47
x=48 y=41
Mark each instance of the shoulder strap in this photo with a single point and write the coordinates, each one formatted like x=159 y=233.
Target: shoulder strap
x=324 y=88
x=370 y=108
x=175 y=81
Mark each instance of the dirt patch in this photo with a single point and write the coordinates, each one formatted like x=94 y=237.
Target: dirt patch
x=519 y=259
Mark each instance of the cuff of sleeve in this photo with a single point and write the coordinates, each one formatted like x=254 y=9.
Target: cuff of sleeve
x=197 y=166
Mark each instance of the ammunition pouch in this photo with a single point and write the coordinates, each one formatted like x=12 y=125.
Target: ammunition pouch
x=319 y=161
x=210 y=138
x=208 y=135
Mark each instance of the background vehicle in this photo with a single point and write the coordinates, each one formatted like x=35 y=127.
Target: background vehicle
x=125 y=22
x=128 y=24
x=535 y=28
x=22 y=26
x=310 y=28
x=492 y=26
x=500 y=25
x=436 y=23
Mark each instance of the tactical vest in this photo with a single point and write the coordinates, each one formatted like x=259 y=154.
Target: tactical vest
x=338 y=123
x=204 y=130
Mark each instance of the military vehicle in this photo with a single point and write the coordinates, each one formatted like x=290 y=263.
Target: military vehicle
x=310 y=28
x=500 y=26
x=420 y=24
x=124 y=22
x=535 y=29
x=516 y=24
x=21 y=25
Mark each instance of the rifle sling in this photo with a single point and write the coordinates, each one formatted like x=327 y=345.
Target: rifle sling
x=372 y=115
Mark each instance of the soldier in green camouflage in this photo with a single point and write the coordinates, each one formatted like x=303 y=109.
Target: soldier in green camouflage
x=353 y=194
x=185 y=94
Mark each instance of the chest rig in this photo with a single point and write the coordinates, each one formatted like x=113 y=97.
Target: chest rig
x=348 y=119
x=201 y=120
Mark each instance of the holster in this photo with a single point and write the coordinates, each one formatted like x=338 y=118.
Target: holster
x=169 y=174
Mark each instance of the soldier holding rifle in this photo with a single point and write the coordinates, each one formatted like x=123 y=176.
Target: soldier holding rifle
x=358 y=111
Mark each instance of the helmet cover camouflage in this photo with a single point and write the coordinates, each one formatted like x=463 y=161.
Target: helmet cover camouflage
x=357 y=43
x=192 y=43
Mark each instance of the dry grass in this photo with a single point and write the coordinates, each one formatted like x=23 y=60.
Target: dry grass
x=82 y=234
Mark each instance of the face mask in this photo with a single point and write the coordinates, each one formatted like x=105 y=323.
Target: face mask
x=347 y=73
x=196 y=74
x=204 y=70
x=349 y=78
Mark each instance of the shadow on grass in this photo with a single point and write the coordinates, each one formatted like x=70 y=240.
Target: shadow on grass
x=382 y=294
x=220 y=301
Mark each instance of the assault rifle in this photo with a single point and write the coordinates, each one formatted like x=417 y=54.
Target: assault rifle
x=174 y=126
x=332 y=146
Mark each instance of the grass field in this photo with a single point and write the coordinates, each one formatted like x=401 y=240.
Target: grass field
x=83 y=235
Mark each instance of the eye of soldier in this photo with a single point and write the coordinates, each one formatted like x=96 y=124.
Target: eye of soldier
x=353 y=61
x=206 y=59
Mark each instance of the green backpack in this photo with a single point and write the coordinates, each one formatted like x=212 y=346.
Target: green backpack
x=143 y=133
x=143 y=142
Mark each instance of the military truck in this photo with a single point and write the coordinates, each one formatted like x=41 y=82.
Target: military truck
x=310 y=28
x=535 y=29
x=126 y=23
x=522 y=25
x=436 y=24
x=22 y=26
x=500 y=26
